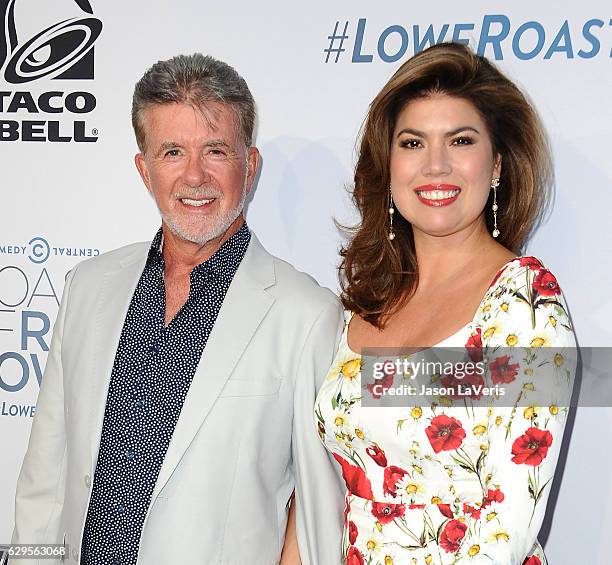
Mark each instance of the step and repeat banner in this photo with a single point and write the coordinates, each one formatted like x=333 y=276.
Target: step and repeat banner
x=70 y=190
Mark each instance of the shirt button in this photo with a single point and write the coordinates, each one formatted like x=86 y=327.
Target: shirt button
x=120 y=508
x=141 y=403
x=129 y=455
x=75 y=555
x=154 y=347
x=87 y=481
x=115 y=561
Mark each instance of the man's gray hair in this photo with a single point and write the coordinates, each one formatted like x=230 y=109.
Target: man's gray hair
x=197 y=80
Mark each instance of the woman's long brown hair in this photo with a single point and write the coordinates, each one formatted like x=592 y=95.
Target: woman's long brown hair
x=376 y=274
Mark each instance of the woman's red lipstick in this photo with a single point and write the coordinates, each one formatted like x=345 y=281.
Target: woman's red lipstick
x=437 y=195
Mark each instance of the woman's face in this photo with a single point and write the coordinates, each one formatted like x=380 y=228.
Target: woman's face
x=442 y=164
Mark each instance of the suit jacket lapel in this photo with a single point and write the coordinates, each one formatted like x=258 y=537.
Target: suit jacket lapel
x=117 y=289
x=244 y=307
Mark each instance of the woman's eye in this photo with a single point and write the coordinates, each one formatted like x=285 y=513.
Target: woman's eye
x=410 y=143
x=463 y=140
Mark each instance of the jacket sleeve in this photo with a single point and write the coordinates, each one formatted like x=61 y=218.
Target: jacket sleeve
x=41 y=483
x=529 y=346
x=319 y=487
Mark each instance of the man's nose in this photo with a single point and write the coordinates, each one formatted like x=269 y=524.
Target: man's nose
x=196 y=171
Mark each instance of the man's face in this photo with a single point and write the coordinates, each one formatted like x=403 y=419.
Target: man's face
x=197 y=169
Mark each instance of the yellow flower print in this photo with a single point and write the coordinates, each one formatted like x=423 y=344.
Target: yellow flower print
x=499 y=535
x=351 y=368
x=414 y=489
x=542 y=338
x=490 y=331
x=474 y=550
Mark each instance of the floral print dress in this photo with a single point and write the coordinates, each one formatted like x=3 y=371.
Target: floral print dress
x=449 y=483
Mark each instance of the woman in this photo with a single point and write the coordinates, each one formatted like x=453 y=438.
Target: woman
x=452 y=176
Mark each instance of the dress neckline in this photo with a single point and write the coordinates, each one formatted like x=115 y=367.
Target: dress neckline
x=492 y=285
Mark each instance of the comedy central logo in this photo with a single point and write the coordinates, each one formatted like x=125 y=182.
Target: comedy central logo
x=63 y=50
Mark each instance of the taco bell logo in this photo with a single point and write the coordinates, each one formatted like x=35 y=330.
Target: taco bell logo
x=44 y=45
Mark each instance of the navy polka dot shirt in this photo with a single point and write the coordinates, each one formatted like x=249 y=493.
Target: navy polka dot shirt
x=152 y=372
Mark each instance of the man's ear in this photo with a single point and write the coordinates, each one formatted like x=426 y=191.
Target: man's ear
x=141 y=165
x=253 y=158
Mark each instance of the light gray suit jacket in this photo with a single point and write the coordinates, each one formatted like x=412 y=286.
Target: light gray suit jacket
x=245 y=438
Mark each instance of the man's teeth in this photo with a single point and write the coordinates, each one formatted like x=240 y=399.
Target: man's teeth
x=191 y=202
x=438 y=194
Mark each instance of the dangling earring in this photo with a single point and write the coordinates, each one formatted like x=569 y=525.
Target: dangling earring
x=391 y=212
x=494 y=185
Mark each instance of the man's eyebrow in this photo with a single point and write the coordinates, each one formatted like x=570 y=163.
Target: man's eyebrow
x=419 y=133
x=217 y=143
x=167 y=145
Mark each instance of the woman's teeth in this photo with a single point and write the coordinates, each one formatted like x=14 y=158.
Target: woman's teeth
x=437 y=194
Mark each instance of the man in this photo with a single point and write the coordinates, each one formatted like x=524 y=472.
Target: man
x=175 y=419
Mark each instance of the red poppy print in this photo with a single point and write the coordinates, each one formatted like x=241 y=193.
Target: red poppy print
x=468 y=384
x=445 y=509
x=493 y=495
x=385 y=512
x=353 y=532
x=356 y=481
x=531 y=448
x=502 y=371
x=354 y=557
x=392 y=476
x=451 y=536
x=380 y=385
x=377 y=454
x=545 y=283
x=445 y=433
x=473 y=512
x=530 y=262
x=533 y=560
x=474 y=346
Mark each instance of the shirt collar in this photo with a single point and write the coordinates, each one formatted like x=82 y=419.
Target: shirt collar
x=224 y=261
